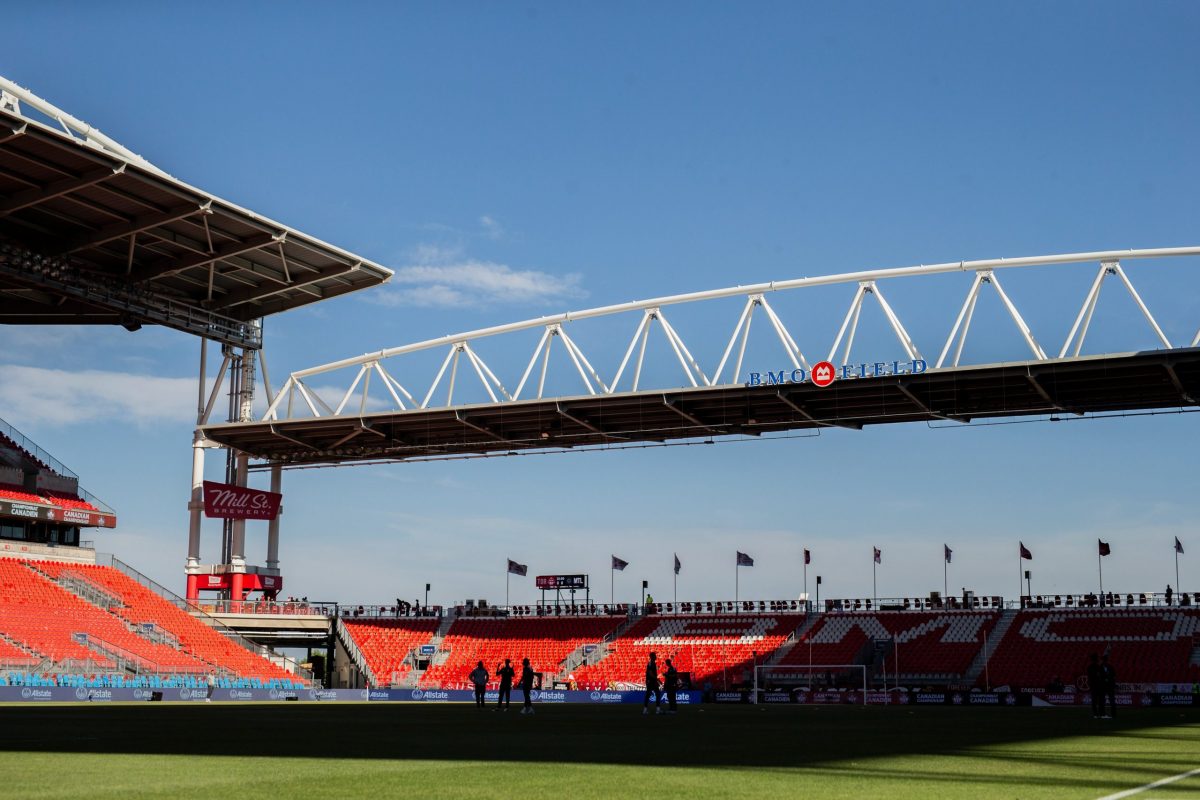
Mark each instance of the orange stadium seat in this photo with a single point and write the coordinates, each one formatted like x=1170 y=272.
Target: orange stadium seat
x=45 y=617
x=711 y=648
x=545 y=642
x=385 y=643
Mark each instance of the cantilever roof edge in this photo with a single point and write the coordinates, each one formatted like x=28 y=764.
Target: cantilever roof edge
x=171 y=183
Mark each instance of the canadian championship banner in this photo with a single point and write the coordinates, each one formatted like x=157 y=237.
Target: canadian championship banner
x=225 y=501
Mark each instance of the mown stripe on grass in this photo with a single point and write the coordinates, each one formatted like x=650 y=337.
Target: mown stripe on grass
x=1147 y=787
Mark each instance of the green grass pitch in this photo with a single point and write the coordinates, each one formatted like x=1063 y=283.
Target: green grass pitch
x=377 y=750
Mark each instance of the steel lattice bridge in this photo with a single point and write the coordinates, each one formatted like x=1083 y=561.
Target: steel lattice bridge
x=421 y=419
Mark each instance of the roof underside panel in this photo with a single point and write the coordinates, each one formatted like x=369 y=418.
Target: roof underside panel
x=132 y=231
x=1102 y=384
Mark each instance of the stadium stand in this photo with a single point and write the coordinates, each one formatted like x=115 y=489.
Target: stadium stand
x=545 y=642
x=929 y=645
x=386 y=643
x=64 y=500
x=142 y=606
x=1145 y=646
x=719 y=649
x=122 y=630
x=12 y=656
x=10 y=492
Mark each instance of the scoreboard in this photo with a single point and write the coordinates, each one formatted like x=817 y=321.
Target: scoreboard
x=562 y=581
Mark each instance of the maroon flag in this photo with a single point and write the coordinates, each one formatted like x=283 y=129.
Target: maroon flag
x=744 y=560
x=949 y=552
x=878 y=555
x=517 y=569
x=808 y=555
x=1104 y=548
x=619 y=564
x=1025 y=552
x=1178 y=546
x=226 y=501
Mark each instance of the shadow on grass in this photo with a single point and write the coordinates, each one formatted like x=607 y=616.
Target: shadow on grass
x=1140 y=742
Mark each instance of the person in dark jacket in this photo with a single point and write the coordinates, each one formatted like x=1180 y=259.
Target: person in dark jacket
x=652 y=687
x=672 y=685
x=505 y=673
x=527 y=686
x=1095 y=685
x=479 y=679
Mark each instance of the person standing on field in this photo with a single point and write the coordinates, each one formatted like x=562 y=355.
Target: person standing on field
x=1095 y=685
x=672 y=686
x=479 y=677
x=1108 y=679
x=506 y=677
x=652 y=687
x=527 y=686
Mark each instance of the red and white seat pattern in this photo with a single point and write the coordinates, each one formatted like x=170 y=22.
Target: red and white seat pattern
x=928 y=643
x=1144 y=646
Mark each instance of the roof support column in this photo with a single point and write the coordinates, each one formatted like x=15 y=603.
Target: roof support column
x=195 y=506
x=273 y=525
x=237 y=551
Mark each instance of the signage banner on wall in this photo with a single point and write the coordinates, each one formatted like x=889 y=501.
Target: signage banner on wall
x=226 y=501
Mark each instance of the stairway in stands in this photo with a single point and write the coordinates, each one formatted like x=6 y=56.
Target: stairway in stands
x=992 y=642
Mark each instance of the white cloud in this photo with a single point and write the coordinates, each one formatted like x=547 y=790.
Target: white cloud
x=35 y=395
x=443 y=277
x=491 y=227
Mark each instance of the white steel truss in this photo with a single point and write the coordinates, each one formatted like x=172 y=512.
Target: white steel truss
x=464 y=346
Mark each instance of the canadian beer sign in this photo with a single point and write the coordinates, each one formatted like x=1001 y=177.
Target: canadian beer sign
x=225 y=501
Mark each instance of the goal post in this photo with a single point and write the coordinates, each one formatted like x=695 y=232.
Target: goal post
x=829 y=677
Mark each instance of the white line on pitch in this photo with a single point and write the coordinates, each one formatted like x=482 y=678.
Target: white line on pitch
x=1155 y=785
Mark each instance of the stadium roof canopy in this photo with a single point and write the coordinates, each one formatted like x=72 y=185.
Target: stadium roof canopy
x=1063 y=387
x=93 y=233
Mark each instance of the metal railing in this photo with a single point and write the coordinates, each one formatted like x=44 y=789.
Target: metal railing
x=35 y=452
x=297 y=608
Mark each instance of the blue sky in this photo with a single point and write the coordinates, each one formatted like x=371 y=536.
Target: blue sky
x=574 y=155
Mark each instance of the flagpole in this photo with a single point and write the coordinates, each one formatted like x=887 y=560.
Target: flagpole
x=1100 y=568
x=874 y=590
x=1177 y=570
x=945 y=575
x=1019 y=565
x=507 y=576
x=806 y=581
x=736 y=575
x=612 y=581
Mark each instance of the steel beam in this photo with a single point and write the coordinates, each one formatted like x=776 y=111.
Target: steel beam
x=32 y=197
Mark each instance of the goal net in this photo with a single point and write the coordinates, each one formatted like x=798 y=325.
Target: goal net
x=811 y=677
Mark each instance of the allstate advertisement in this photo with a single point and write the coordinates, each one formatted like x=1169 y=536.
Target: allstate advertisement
x=64 y=694
x=539 y=696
